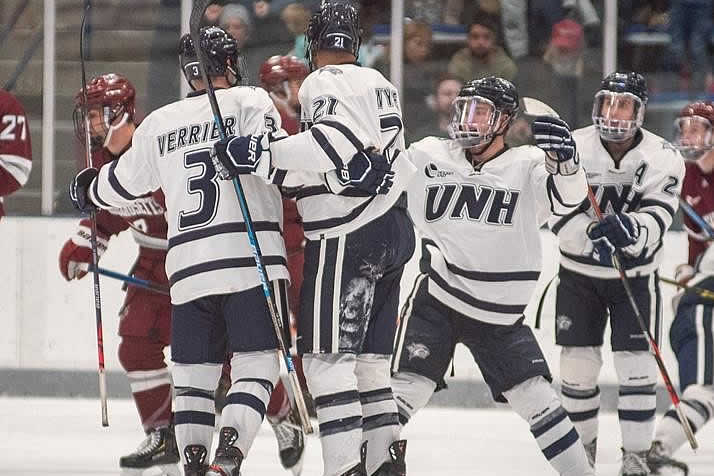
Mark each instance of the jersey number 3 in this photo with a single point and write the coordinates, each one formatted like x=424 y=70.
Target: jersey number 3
x=203 y=184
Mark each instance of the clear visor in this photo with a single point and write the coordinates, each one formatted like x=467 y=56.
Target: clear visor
x=692 y=136
x=617 y=116
x=473 y=122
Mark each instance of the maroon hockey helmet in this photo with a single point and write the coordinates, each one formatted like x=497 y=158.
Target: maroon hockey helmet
x=693 y=129
x=114 y=96
x=278 y=69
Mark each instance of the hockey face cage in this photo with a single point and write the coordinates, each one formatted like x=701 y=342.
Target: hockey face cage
x=111 y=119
x=692 y=136
x=475 y=121
x=617 y=115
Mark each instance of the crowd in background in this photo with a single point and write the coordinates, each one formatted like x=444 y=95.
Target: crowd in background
x=550 y=49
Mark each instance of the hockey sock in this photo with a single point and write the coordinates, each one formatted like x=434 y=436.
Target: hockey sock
x=637 y=402
x=333 y=384
x=579 y=370
x=195 y=411
x=380 y=420
x=698 y=406
x=150 y=380
x=279 y=406
x=411 y=392
x=253 y=374
x=537 y=403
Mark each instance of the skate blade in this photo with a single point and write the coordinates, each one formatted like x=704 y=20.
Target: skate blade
x=158 y=470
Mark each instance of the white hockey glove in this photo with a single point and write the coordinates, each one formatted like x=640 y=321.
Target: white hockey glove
x=553 y=136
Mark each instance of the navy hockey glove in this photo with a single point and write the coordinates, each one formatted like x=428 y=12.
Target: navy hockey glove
x=620 y=231
x=368 y=171
x=553 y=136
x=240 y=155
x=79 y=187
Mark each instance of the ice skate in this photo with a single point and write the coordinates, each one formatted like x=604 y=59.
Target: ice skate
x=228 y=457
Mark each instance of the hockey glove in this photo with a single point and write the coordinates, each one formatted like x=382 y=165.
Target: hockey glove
x=240 y=155
x=76 y=253
x=369 y=172
x=621 y=231
x=553 y=136
x=79 y=187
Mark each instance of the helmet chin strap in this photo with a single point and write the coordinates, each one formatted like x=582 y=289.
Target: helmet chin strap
x=112 y=128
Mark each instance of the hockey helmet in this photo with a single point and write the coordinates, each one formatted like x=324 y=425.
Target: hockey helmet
x=220 y=53
x=110 y=102
x=693 y=129
x=619 y=106
x=483 y=109
x=276 y=70
x=335 y=26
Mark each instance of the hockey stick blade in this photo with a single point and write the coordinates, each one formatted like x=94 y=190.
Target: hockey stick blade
x=197 y=13
x=696 y=218
x=93 y=228
x=536 y=107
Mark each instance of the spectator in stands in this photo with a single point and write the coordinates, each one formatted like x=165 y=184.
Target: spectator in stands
x=564 y=52
x=691 y=30
x=212 y=13
x=482 y=56
x=236 y=20
x=426 y=11
x=446 y=89
x=15 y=149
x=296 y=18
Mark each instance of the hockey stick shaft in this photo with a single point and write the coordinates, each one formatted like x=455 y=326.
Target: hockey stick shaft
x=197 y=13
x=694 y=216
x=674 y=397
x=132 y=281
x=93 y=235
x=705 y=293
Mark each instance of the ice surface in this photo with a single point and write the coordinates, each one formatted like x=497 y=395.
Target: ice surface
x=53 y=437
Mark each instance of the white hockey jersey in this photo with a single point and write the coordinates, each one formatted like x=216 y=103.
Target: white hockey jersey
x=646 y=183
x=345 y=108
x=480 y=247
x=209 y=252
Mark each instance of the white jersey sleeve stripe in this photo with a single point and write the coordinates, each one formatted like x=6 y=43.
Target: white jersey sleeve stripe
x=94 y=195
x=116 y=185
x=19 y=167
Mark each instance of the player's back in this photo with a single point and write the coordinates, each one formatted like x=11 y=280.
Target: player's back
x=351 y=108
x=209 y=251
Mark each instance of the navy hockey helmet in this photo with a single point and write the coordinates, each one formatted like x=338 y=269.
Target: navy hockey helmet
x=335 y=26
x=619 y=106
x=221 y=56
x=484 y=108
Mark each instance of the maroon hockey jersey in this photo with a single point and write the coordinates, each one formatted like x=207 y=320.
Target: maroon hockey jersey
x=15 y=149
x=698 y=191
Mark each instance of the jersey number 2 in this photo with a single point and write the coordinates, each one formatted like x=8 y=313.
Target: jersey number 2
x=204 y=185
x=390 y=123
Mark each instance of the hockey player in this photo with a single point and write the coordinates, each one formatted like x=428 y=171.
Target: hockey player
x=282 y=77
x=217 y=300
x=15 y=147
x=474 y=198
x=145 y=317
x=358 y=239
x=636 y=176
x=691 y=332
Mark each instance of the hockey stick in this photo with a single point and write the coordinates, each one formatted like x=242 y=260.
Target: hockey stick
x=545 y=110
x=132 y=281
x=199 y=7
x=705 y=293
x=691 y=213
x=93 y=236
